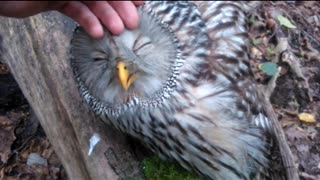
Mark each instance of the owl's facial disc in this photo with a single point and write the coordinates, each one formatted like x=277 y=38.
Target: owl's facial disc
x=125 y=77
x=137 y=66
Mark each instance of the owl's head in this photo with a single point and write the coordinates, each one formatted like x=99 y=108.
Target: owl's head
x=138 y=64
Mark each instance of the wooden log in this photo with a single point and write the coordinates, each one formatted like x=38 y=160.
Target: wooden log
x=37 y=51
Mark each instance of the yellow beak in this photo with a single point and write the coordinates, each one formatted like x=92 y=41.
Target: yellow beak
x=124 y=75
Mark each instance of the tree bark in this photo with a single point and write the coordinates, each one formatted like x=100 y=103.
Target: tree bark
x=36 y=50
x=291 y=169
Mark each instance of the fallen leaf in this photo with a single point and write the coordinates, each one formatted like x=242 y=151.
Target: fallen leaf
x=303 y=148
x=270 y=51
x=306 y=117
x=40 y=170
x=302 y=53
x=35 y=158
x=269 y=68
x=294 y=134
x=286 y=123
x=282 y=45
x=7 y=137
x=284 y=21
x=252 y=20
x=256 y=53
x=271 y=23
x=255 y=42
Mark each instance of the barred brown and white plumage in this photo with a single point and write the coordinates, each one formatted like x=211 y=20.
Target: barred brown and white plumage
x=181 y=84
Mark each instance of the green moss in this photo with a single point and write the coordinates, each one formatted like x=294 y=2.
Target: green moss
x=156 y=169
x=129 y=178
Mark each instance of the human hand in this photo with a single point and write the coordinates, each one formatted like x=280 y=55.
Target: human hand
x=114 y=15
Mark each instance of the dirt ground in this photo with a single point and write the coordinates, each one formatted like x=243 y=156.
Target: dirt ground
x=283 y=34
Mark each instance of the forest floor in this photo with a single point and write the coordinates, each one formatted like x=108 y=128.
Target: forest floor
x=283 y=34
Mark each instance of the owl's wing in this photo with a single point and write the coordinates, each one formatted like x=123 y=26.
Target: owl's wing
x=213 y=101
x=227 y=28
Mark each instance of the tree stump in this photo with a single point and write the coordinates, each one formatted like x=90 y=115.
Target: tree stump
x=37 y=51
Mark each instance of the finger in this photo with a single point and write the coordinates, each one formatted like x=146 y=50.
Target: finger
x=138 y=3
x=127 y=11
x=21 y=9
x=55 y=5
x=106 y=13
x=83 y=15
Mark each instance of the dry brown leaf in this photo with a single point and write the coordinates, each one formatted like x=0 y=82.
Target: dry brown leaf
x=306 y=117
x=295 y=133
x=286 y=123
x=7 y=137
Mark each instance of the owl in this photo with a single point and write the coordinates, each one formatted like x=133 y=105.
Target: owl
x=181 y=84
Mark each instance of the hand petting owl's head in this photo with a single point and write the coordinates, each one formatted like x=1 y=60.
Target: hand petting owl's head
x=137 y=63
